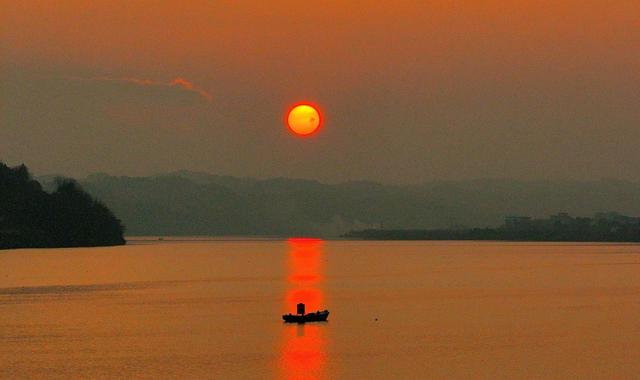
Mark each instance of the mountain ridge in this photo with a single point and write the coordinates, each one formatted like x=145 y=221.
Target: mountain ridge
x=197 y=203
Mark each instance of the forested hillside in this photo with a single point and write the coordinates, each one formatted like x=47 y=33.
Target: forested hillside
x=65 y=217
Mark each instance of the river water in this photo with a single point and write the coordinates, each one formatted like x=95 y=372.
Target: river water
x=212 y=309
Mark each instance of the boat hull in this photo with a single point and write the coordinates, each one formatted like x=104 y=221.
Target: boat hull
x=320 y=316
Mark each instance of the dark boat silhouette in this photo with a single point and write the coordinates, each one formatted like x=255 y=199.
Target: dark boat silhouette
x=301 y=317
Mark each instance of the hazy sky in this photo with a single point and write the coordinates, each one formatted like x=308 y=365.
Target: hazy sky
x=410 y=90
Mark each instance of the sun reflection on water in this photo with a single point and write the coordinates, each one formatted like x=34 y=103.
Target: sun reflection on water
x=303 y=354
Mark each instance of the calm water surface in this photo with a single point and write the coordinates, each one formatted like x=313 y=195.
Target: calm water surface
x=211 y=309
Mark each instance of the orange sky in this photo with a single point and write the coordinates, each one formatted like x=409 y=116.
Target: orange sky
x=432 y=71
x=285 y=36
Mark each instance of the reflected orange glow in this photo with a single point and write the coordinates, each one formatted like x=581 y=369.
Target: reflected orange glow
x=303 y=354
x=304 y=261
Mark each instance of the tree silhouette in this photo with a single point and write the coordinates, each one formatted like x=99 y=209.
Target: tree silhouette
x=67 y=217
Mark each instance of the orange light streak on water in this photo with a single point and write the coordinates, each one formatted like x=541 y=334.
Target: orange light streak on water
x=303 y=354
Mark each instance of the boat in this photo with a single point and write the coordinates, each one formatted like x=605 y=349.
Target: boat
x=318 y=316
x=302 y=317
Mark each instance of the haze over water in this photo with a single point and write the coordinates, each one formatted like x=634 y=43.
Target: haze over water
x=212 y=309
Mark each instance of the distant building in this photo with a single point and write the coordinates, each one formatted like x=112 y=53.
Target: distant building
x=561 y=218
x=515 y=222
x=617 y=219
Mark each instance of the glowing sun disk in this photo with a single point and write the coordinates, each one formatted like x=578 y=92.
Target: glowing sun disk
x=303 y=119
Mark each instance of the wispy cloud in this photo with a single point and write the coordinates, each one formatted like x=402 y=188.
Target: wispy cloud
x=190 y=87
x=178 y=83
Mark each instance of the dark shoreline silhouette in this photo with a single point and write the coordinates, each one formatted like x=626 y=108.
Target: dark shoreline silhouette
x=66 y=217
x=603 y=227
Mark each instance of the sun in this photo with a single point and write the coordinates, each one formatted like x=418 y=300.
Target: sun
x=303 y=119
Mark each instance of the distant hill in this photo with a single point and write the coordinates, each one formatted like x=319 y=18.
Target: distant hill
x=65 y=217
x=192 y=203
